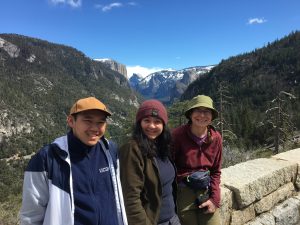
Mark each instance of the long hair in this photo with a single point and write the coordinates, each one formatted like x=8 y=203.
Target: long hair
x=159 y=147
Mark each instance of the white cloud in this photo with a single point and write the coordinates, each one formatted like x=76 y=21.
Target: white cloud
x=143 y=71
x=112 y=5
x=106 y=8
x=57 y=1
x=132 y=3
x=73 y=3
x=256 y=21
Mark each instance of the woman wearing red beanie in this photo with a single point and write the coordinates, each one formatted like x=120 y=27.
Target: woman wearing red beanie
x=147 y=174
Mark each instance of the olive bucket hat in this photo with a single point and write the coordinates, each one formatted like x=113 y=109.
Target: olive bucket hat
x=201 y=101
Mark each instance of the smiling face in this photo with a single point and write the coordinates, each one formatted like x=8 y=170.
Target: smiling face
x=201 y=117
x=88 y=126
x=152 y=127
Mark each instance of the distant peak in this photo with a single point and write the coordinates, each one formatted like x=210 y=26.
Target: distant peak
x=136 y=75
x=114 y=65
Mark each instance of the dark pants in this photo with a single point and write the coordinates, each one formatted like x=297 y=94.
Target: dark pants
x=173 y=221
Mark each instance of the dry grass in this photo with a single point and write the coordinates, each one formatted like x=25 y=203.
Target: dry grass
x=9 y=211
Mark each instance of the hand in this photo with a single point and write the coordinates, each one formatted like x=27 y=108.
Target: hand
x=209 y=205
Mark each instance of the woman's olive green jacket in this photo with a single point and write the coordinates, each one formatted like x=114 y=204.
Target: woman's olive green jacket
x=141 y=185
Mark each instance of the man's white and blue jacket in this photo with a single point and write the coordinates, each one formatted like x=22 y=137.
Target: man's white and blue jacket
x=49 y=189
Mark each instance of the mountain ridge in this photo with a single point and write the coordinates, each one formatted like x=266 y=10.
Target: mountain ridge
x=39 y=83
x=167 y=85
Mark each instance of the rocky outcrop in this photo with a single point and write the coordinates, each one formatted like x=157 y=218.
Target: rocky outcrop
x=114 y=65
x=10 y=126
x=262 y=191
x=12 y=50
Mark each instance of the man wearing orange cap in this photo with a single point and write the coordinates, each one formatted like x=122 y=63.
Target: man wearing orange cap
x=75 y=179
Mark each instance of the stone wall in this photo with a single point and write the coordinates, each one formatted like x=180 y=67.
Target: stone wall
x=263 y=191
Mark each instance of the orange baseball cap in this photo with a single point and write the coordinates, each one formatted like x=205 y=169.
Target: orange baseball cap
x=89 y=103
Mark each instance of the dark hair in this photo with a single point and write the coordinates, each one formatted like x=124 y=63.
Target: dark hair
x=159 y=147
x=75 y=116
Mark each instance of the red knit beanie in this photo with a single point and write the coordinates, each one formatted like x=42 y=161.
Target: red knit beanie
x=152 y=108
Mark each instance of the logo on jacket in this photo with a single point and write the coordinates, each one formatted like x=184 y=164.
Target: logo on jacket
x=104 y=169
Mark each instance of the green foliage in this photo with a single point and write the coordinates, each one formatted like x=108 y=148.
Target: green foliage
x=36 y=96
x=121 y=135
x=176 y=114
x=11 y=178
x=253 y=80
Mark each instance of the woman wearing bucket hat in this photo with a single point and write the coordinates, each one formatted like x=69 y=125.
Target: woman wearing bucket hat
x=197 y=151
x=148 y=176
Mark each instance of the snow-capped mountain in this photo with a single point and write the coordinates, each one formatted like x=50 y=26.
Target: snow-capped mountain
x=167 y=85
x=135 y=79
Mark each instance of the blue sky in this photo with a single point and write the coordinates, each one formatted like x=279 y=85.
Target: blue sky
x=149 y=35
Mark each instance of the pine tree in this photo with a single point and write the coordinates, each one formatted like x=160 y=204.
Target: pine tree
x=280 y=120
x=224 y=103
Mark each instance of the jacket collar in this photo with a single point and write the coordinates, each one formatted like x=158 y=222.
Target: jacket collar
x=62 y=144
